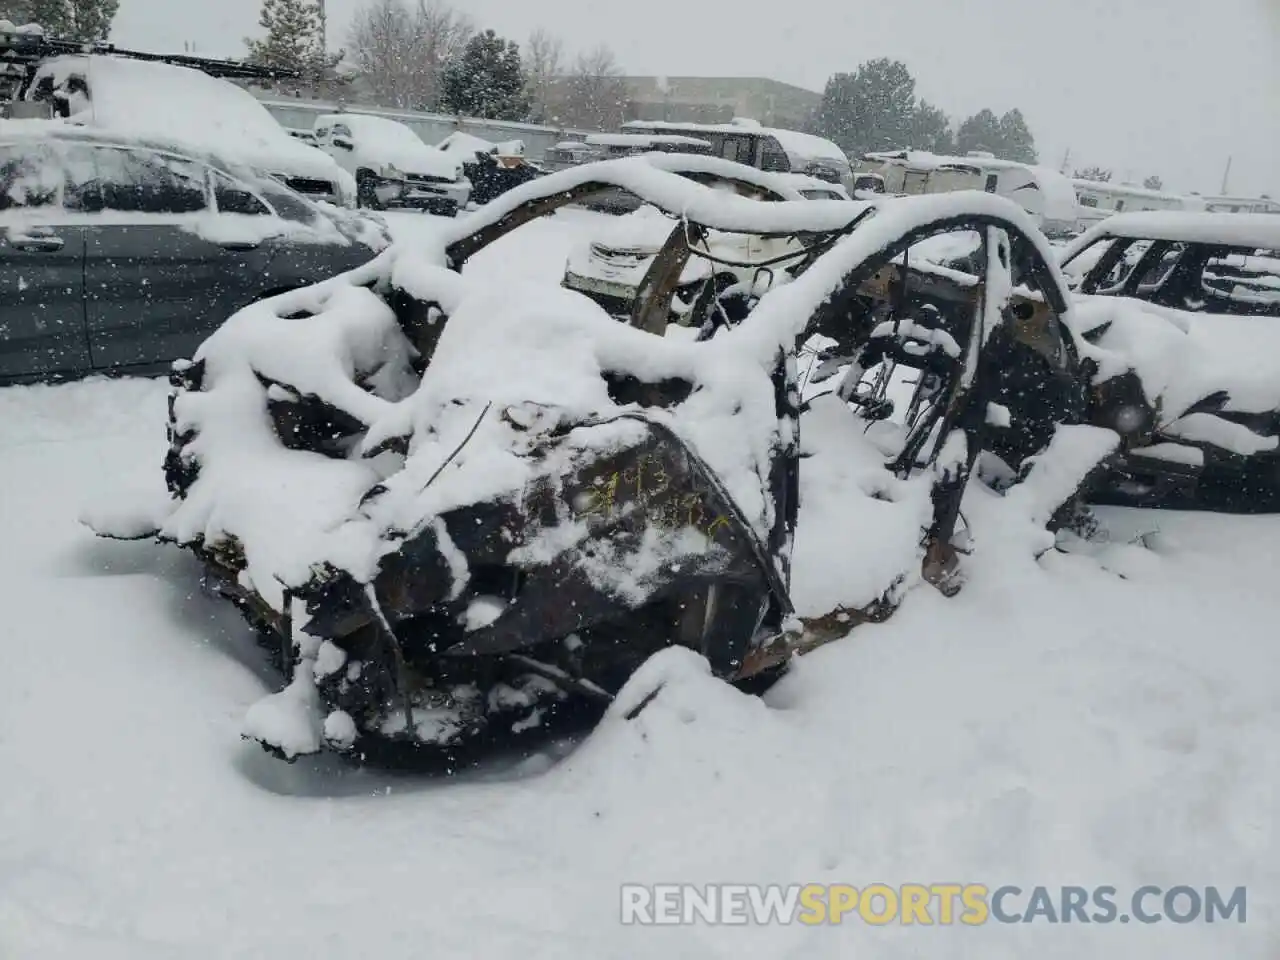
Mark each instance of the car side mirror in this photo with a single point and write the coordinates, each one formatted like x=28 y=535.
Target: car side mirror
x=343 y=143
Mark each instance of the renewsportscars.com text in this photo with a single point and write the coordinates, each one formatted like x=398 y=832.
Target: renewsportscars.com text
x=968 y=904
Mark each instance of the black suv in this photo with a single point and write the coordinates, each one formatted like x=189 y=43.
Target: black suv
x=125 y=254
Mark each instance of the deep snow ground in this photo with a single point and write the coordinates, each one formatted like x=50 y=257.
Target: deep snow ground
x=1089 y=720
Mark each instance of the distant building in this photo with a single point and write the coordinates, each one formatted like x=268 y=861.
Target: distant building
x=720 y=99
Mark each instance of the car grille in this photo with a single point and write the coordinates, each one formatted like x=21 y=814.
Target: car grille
x=620 y=258
x=310 y=187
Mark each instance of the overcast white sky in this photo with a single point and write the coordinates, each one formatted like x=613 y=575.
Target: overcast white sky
x=1171 y=87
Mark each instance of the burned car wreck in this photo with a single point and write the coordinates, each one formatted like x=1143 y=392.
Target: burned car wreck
x=455 y=512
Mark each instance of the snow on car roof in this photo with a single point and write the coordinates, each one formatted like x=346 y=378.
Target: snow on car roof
x=12 y=130
x=1126 y=189
x=640 y=139
x=804 y=145
x=809 y=146
x=184 y=105
x=382 y=140
x=366 y=121
x=1256 y=230
x=924 y=160
x=465 y=143
x=1055 y=187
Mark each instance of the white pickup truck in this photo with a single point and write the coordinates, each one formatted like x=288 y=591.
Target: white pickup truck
x=391 y=164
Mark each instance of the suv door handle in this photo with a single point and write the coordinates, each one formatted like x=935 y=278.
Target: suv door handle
x=44 y=242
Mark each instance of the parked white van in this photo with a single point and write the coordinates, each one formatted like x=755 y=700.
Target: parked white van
x=1101 y=199
x=1046 y=194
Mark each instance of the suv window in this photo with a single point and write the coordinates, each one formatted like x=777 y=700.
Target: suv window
x=772 y=156
x=1125 y=255
x=288 y=205
x=29 y=177
x=232 y=197
x=139 y=181
x=1159 y=271
x=737 y=148
x=47 y=173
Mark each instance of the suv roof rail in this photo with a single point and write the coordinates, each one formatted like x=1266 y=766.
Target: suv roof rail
x=30 y=48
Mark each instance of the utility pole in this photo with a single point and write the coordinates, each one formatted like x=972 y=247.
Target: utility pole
x=1065 y=157
x=1225 y=176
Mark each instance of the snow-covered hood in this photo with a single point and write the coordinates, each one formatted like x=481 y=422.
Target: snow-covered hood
x=421 y=161
x=622 y=249
x=642 y=231
x=388 y=147
x=282 y=158
x=1183 y=357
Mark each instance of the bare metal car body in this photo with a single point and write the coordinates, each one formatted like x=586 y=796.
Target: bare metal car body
x=476 y=616
x=1220 y=263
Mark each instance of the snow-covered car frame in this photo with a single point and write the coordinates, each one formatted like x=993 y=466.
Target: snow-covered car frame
x=611 y=264
x=456 y=513
x=1218 y=263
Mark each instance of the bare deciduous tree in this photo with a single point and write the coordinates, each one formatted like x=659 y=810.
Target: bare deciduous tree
x=401 y=51
x=596 y=97
x=440 y=34
x=378 y=46
x=543 y=57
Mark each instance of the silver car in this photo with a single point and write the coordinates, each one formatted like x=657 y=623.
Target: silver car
x=122 y=254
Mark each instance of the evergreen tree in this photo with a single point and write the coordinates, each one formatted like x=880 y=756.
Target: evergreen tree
x=1006 y=137
x=1016 y=141
x=872 y=109
x=487 y=80
x=84 y=20
x=930 y=129
x=979 y=133
x=1100 y=174
x=294 y=40
x=1153 y=183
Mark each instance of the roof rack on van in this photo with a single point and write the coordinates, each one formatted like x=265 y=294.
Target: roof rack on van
x=24 y=47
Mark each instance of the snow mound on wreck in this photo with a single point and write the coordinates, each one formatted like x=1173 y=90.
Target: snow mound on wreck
x=547 y=351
